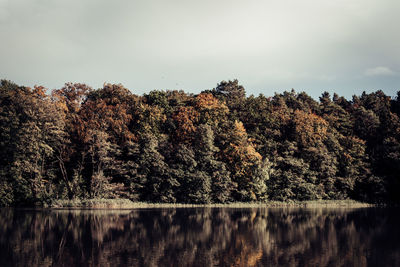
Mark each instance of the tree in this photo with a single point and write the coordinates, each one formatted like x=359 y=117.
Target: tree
x=216 y=170
x=103 y=155
x=231 y=89
x=309 y=129
x=185 y=119
x=335 y=115
x=292 y=177
x=195 y=184
x=210 y=108
x=233 y=95
x=149 y=119
x=156 y=182
x=69 y=153
x=32 y=127
x=246 y=165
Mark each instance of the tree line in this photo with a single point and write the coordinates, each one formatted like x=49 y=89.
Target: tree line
x=218 y=146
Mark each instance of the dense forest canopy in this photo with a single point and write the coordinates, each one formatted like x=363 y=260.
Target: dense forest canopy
x=218 y=146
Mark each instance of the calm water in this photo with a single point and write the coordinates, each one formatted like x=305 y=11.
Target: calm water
x=201 y=237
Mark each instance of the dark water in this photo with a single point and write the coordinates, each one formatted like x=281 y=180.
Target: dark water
x=201 y=237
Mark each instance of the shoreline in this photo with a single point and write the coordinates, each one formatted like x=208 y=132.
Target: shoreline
x=128 y=204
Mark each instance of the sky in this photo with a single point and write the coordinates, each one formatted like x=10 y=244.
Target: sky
x=343 y=46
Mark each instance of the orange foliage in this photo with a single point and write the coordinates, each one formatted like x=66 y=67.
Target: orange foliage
x=185 y=119
x=208 y=101
x=98 y=115
x=239 y=129
x=73 y=95
x=310 y=128
x=40 y=91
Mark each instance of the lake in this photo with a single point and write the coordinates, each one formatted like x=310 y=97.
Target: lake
x=201 y=237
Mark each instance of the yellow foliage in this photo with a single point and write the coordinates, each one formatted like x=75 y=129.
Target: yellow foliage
x=239 y=129
x=211 y=108
x=208 y=101
x=241 y=153
x=310 y=128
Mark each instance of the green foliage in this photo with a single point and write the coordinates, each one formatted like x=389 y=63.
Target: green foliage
x=156 y=180
x=215 y=170
x=195 y=184
x=292 y=178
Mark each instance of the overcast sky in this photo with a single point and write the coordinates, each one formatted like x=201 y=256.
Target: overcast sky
x=345 y=46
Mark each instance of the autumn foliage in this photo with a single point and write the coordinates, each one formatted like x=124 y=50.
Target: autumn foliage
x=216 y=146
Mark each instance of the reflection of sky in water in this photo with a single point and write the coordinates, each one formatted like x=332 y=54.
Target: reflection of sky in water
x=201 y=237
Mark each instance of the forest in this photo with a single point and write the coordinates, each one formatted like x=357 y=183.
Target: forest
x=218 y=146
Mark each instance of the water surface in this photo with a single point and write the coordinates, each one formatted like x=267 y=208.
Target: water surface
x=201 y=237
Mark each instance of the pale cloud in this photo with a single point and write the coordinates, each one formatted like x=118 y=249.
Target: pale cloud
x=267 y=45
x=328 y=78
x=3 y=10
x=379 y=71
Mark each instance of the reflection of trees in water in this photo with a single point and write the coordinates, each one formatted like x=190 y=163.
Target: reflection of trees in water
x=200 y=237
